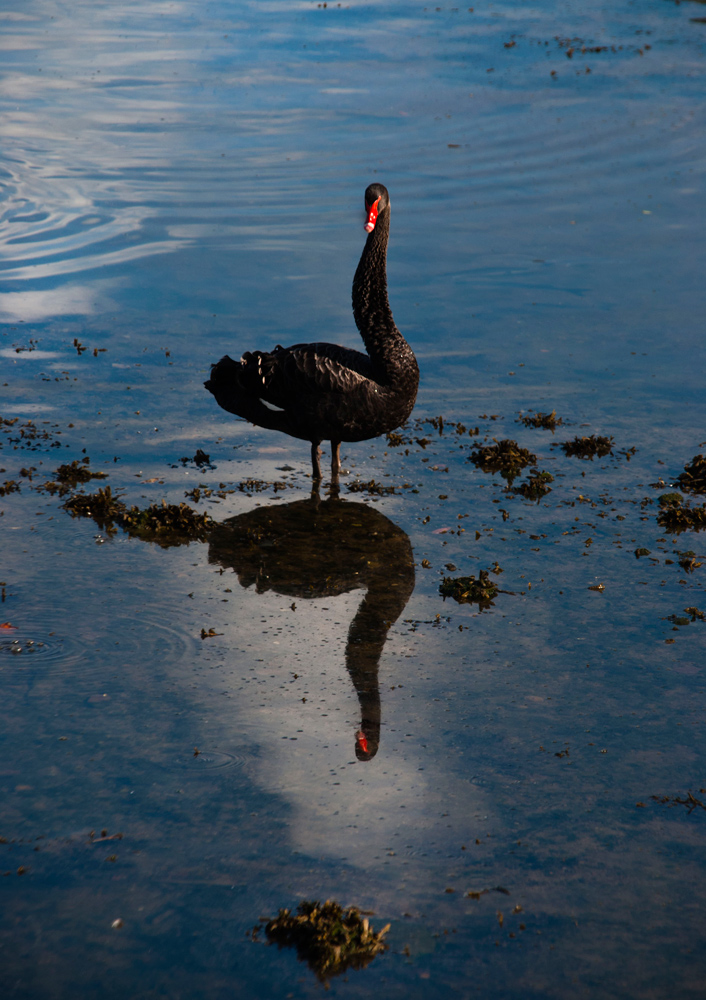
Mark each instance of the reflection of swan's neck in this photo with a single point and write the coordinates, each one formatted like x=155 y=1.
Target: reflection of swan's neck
x=366 y=637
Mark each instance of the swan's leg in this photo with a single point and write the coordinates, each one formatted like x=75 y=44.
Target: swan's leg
x=315 y=464
x=335 y=460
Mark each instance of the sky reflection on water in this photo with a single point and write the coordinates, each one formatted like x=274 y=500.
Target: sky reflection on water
x=178 y=182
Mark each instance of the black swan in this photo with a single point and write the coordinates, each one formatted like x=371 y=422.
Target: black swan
x=323 y=392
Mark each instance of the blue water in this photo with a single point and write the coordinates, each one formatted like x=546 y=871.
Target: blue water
x=178 y=181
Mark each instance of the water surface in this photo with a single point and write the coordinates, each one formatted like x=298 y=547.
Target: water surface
x=179 y=181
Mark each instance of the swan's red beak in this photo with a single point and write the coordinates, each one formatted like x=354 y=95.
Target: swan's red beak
x=360 y=736
x=372 y=216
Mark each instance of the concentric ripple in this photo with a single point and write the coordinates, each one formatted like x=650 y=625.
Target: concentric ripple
x=89 y=648
x=206 y=760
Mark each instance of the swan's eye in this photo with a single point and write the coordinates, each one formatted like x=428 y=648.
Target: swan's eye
x=372 y=211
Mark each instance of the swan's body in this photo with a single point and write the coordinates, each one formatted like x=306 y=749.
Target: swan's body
x=323 y=392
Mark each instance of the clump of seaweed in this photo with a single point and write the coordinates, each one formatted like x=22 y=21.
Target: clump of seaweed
x=166 y=524
x=327 y=937
x=675 y=516
x=694 y=616
x=693 y=478
x=9 y=486
x=260 y=485
x=470 y=590
x=377 y=489
x=396 y=440
x=69 y=476
x=103 y=507
x=505 y=457
x=200 y=459
x=588 y=447
x=536 y=486
x=547 y=421
x=77 y=472
x=688 y=562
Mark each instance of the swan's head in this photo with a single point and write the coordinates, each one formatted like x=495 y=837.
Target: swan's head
x=376 y=200
x=366 y=746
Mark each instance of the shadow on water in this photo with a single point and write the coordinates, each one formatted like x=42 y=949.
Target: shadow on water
x=313 y=548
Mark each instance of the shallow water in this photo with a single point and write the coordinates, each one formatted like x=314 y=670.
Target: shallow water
x=181 y=181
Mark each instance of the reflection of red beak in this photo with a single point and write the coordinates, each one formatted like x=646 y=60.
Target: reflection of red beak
x=361 y=738
x=372 y=216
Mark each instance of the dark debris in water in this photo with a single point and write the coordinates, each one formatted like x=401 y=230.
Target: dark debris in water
x=693 y=478
x=545 y=421
x=377 y=489
x=327 y=937
x=201 y=460
x=29 y=436
x=470 y=590
x=505 y=457
x=536 y=486
x=396 y=439
x=18 y=646
x=675 y=516
x=484 y=892
x=260 y=485
x=694 y=615
x=588 y=447
x=690 y=801
x=166 y=524
x=71 y=475
x=688 y=561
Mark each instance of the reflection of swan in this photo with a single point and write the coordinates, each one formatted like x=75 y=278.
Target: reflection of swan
x=311 y=549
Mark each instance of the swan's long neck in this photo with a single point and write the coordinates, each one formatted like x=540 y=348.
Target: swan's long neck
x=371 y=308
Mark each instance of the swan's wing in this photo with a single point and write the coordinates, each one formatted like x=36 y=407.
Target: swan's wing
x=288 y=376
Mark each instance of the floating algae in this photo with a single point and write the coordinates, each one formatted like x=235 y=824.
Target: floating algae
x=674 y=516
x=693 y=478
x=200 y=460
x=470 y=590
x=694 y=615
x=536 y=486
x=166 y=524
x=71 y=475
x=690 y=801
x=77 y=472
x=372 y=487
x=505 y=457
x=327 y=937
x=588 y=447
x=103 y=507
x=547 y=421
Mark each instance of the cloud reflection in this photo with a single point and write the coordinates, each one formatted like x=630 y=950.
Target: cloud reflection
x=34 y=305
